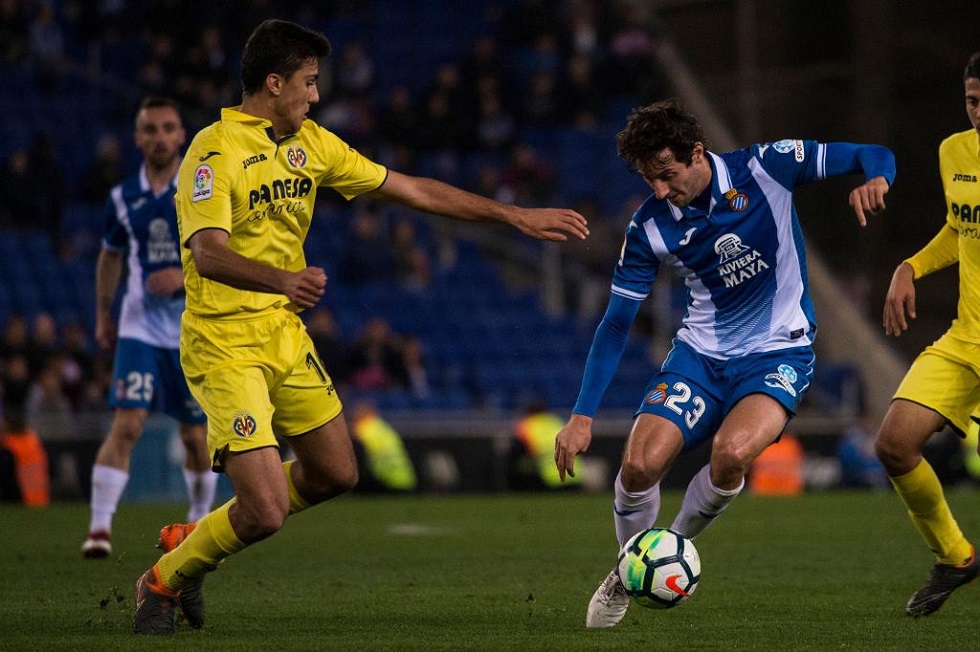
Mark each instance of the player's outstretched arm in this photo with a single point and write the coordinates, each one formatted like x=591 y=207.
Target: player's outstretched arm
x=432 y=196
x=900 y=300
x=574 y=438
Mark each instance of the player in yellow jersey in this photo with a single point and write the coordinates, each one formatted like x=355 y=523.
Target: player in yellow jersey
x=245 y=198
x=943 y=385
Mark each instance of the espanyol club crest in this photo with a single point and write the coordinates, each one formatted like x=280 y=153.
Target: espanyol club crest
x=658 y=395
x=296 y=156
x=244 y=425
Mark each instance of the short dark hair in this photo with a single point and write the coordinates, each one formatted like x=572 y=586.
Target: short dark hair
x=972 y=70
x=157 y=102
x=652 y=128
x=279 y=46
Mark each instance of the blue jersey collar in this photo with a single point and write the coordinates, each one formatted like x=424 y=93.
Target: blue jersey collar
x=721 y=183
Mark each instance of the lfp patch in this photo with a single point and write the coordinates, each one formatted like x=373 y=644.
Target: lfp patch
x=203 y=183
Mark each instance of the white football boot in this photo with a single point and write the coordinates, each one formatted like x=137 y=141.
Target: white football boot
x=608 y=604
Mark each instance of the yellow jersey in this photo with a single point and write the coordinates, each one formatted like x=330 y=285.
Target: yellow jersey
x=237 y=177
x=959 y=164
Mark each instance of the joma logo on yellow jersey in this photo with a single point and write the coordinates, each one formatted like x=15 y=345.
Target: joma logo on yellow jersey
x=280 y=189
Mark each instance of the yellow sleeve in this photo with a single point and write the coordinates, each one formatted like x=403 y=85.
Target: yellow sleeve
x=942 y=251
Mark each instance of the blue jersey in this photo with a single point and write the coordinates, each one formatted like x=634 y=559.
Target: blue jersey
x=743 y=260
x=739 y=250
x=144 y=225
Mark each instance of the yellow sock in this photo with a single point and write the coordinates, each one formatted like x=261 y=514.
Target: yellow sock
x=922 y=494
x=296 y=502
x=211 y=541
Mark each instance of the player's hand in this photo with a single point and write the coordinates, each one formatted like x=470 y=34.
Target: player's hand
x=105 y=331
x=571 y=440
x=900 y=300
x=869 y=197
x=165 y=281
x=551 y=223
x=305 y=288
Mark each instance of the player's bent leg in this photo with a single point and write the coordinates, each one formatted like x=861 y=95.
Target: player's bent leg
x=326 y=465
x=608 y=604
x=902 y=435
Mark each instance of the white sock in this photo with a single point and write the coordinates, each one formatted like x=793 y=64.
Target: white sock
x=702 y=503
x=108 y=484
x=201 y=487
x=634 y=512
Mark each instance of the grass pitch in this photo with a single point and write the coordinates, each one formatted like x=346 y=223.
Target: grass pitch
x=500 y=572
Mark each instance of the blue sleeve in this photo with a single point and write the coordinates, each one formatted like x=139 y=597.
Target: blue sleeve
x=607 y=348
x=113 y=234
x=849 y=158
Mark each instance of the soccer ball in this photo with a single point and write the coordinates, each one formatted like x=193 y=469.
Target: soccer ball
x=659 y=568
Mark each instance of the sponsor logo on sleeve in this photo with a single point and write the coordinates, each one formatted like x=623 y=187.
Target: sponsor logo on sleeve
x=203 y=183
x=795 y=146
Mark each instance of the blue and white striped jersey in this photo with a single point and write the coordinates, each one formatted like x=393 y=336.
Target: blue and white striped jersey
x=743 y=261
x=145 y=226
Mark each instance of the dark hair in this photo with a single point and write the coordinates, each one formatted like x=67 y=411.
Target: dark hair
x=157 y=102
x=972 y=70
x=650 y=129
x=279 y=46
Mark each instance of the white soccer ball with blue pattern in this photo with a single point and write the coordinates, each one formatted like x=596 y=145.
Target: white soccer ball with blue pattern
x=659 y=568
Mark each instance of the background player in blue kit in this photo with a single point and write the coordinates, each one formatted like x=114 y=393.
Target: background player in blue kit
x=743 y=358
x=141 y=225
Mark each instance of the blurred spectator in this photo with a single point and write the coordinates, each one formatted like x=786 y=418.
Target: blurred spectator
x=15 y=338
x=631 y=54
x=387 y=462
x=532 y=458
x=398 y=119
x=46 y=192
x=542 y=106
x=778 y=470
x=16 y=204
x=48 y=408
x=43 y=342
x=354 y=71
x=376 y=360
x=325 y=333
x=856 y=453
x=23 y=459
x=77 y=370
x=416 y=373
x=496 y=127
x=528 y=178
x=367 y=257
x=105 y=171
x=582 y=91
x=13 y=31
x=413 y=269
x=46 y=47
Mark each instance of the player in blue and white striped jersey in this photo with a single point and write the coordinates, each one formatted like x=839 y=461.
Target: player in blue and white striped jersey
x=742 y=359
x=141 y=228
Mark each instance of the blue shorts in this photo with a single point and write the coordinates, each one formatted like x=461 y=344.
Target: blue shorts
x=696 y=392
x=150 y=378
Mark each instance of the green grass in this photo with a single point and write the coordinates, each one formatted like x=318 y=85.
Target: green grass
x=502 y=572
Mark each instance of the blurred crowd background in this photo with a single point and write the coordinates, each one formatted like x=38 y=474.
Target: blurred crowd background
x=515 y=99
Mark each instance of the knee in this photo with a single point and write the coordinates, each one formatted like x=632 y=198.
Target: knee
x=729 y=464
x=328 y=483
x=260 y=521
x=897 y=458
x=638 y=475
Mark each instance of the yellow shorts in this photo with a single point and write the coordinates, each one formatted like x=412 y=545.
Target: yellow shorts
x=255 y=379
x=946 y=378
